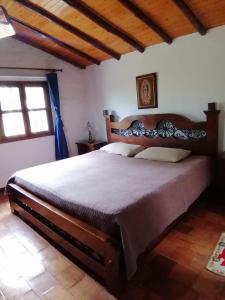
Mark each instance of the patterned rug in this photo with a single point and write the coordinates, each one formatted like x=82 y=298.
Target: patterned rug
x=216 y=263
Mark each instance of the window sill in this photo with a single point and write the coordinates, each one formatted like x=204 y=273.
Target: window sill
x=21 y=138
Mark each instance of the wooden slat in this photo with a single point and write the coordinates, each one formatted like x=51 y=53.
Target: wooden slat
x=166 y=14
x=94 y=42
x=47 y=50
x=78 y=20
x=76 y=253
x=191 y=16
x=69 y=232
x=92 y=15
x=174 y=21
x=30 y=37
x=55 y=40
x=146 y=19
x=37 y=21
x=120 y=16
x=87 y=234
x=211 y=12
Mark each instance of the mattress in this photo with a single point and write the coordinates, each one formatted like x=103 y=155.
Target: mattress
x=134 y=198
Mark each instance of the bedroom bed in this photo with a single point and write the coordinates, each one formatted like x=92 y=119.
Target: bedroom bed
x=97 y=206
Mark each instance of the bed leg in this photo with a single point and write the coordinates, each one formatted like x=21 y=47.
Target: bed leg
x=11 y=202
x=113 y=276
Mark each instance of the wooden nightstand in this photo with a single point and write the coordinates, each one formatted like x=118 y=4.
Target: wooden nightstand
x=85 y=147
x=221 y=173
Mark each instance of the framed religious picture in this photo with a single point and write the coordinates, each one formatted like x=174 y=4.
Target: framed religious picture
x=147 y=91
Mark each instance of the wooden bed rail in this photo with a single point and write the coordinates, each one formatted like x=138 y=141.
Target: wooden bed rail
x=96 y=250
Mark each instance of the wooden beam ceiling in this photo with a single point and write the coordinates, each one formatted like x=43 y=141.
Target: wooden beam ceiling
x=83 y=32
x=146 y=19
x=95 y=17
x=87 y=38
x=27 y=41
x=191 y=16
x=57 y=41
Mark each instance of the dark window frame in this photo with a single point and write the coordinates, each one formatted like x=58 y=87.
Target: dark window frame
x=24 y=110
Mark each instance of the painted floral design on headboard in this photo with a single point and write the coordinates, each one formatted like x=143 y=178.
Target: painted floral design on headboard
x=164 y=129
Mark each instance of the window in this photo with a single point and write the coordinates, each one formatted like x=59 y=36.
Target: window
x=24 y=111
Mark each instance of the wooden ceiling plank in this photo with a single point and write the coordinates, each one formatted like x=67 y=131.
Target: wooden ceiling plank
x=92 y=15
x=146 y=19
x=190 y=15
x=57 y=41
x=25 y=40
x=87 y=38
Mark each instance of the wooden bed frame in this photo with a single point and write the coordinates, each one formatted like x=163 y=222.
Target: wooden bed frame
x=99 y=252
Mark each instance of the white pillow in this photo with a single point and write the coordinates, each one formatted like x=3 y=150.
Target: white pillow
x=164 y=154
x=122 y=149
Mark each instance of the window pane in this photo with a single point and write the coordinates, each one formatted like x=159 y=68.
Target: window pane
x=10 y=98
x=35 y=97
x=38 y=121
x=13 y=124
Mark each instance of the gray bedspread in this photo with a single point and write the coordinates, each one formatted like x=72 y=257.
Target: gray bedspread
x=135 y=197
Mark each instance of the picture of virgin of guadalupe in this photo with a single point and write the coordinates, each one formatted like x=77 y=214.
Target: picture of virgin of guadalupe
x=145 y=92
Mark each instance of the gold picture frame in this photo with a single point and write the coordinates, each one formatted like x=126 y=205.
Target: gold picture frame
x=147 y=91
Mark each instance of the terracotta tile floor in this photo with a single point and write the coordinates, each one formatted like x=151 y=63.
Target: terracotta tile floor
x=30 y=268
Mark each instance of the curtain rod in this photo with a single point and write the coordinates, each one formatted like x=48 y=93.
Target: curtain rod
x=37 y=69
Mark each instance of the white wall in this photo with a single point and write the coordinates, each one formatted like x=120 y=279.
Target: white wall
x=22 y=154
x=191 y=73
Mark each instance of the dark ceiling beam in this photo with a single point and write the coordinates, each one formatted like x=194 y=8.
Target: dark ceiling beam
x=92 y=15
x=191 y=16
x=57 y=41
x=87 y=38
x=26 y=40
x=146 y=19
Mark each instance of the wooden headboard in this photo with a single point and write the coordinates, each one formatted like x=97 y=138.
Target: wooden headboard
x=167 y=130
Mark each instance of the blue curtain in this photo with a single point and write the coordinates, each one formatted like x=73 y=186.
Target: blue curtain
x=61 y=148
